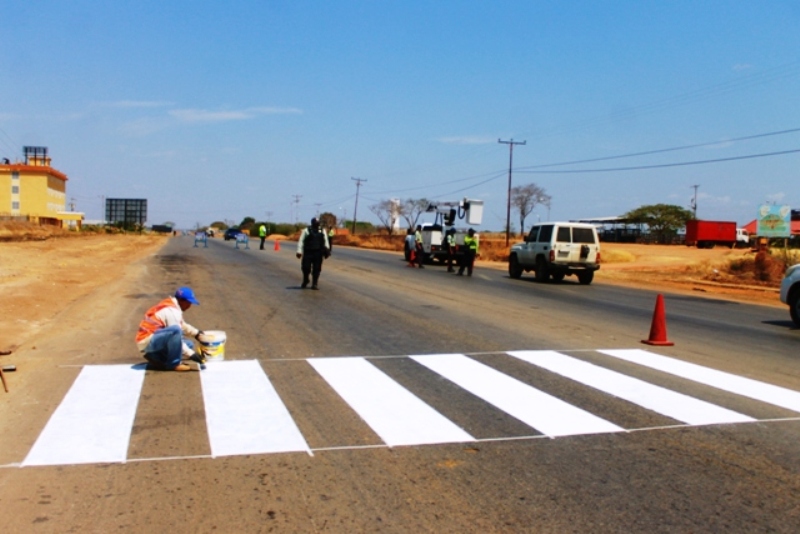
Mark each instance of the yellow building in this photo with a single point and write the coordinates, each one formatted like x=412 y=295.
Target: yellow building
x=34 y=191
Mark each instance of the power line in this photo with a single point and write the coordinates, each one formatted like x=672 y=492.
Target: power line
x=662 y=150
x=664 y=165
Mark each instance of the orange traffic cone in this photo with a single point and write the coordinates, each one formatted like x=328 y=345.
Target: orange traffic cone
x=658 y=329
x=277 y=245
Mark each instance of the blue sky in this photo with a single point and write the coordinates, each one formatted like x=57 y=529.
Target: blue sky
x=221 y=110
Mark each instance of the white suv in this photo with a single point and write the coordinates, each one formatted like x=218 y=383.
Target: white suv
x=790 y=292
x=556 y=250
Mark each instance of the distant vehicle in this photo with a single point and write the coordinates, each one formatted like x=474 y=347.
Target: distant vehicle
x=556 y=250
x=231 y=233
x=790 y=292
x=742 y=237
x=446 y=215
x=708 y=234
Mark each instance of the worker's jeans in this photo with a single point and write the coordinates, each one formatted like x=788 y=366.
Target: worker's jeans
x=165 y=348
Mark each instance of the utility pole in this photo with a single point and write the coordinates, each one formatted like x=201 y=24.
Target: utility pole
x=694 y=201
x=318 y=204
x=355 y=210
x=510 y=144
x=269 y=216
x=296 y=203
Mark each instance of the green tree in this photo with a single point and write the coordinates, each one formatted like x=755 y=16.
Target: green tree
x=662 y=219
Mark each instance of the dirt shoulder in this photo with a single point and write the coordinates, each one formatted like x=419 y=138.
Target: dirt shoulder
x=39 y=279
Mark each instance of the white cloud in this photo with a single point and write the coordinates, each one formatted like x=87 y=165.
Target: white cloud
x=466 y=140
x=136 y=104
x=742 y=66
x=776 y=197
x=204 y=115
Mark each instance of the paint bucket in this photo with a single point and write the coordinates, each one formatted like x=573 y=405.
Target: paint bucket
x=214 y=345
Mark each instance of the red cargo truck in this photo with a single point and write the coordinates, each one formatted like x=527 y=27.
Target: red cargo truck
x=707 y=234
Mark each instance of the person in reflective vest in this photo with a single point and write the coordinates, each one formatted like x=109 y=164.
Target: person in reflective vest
x=312 y=247
x=450 y=247
x=419 y=247
x=331 y=233
x=262 y=233
x=160 y=335
x=470 y=251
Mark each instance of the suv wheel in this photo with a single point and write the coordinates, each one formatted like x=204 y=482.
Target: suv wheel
x=794 y=305
x=514 y=268
x=586 y=277
x=541 y=270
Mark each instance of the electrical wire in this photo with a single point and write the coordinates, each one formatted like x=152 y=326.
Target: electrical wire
x=660 y=151
x=665 y=165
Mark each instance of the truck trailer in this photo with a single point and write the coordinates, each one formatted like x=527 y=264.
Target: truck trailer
x=708 y=234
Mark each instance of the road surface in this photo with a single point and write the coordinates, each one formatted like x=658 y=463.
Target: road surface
x=405 y=400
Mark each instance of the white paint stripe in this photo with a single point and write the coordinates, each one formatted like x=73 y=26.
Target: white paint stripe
x=94 y=420
x=661 y=400
x=393 y=412
x=543 y=412
x=244 y=413
x=747 y=387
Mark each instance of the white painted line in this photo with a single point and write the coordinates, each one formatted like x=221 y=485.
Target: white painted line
x=545 y=413
x=94 y=420
x=393 y=412
x=747 y=387
x=661 y=400
x=244 y=413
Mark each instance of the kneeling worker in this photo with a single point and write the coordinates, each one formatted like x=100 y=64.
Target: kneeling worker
x=160 y=336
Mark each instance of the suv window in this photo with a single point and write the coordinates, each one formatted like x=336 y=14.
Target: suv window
x=532 y=236
x=582 y=235
x=563 y=234
x=545 y=233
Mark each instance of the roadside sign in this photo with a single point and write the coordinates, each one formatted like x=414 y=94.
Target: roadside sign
x=774 y=221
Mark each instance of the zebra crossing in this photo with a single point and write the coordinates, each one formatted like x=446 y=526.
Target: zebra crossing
x=244 y=414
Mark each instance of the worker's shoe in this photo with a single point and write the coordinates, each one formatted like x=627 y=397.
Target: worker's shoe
x=314 y=287
x=199 y=358
x=183 y=367
x=304 y=285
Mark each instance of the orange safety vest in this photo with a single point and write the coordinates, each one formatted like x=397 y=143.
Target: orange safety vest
x=151 y=323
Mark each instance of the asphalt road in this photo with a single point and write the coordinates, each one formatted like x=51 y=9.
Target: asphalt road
x=497 y=444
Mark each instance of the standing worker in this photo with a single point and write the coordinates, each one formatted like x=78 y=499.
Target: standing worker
x=262 y=233
x=312 y=247
x=331 y=233
x=450 y=246
x=160 y=335
x=471 y=250
x=419 y=249
x=410 y=246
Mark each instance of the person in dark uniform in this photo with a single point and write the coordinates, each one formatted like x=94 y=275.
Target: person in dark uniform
x=312 y=247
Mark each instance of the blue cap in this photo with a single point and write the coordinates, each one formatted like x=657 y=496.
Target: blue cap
x=186 y=293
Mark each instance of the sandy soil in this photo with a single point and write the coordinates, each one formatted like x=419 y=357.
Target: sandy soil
x=40 y=279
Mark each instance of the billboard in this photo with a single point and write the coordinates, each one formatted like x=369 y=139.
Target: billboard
x=774 y=221
x=126 y=211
